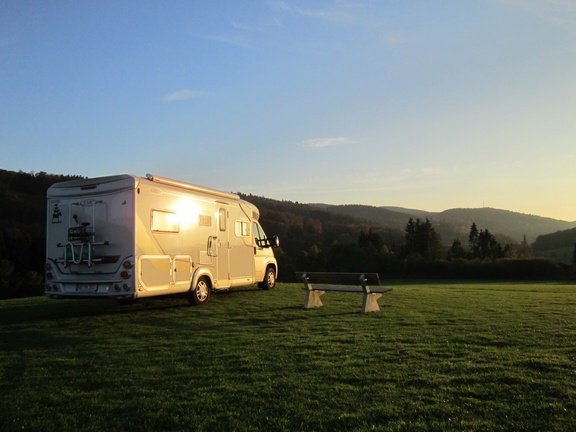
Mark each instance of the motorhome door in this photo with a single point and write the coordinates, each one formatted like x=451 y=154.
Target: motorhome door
x=223 y=245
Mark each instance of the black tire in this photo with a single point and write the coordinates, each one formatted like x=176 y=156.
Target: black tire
x=269 y=281
x=200 y=294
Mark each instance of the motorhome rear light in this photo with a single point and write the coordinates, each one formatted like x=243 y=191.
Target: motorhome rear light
x=49 y=275
x=126 y=287
x=47 y=266
x=47 y=287
x=124 y=275
x=54 y=287
x=127 y=264
x=116 y=288
x=88 y=187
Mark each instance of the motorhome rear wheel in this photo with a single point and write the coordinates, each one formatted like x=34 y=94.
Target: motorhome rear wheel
x=201 y=292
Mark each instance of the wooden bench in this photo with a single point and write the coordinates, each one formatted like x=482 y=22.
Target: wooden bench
x=317 y=283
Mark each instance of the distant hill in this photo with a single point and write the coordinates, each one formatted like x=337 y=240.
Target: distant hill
x=559 y=245
x=381 y=216
x=455 y=223
x=303 y=225
x=515 y=225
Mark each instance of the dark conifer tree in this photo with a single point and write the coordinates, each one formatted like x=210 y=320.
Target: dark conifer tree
x=473 y=241
x=422 y=239
x=456 y=250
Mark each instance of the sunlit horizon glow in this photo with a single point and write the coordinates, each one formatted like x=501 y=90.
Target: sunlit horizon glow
x=421 y=105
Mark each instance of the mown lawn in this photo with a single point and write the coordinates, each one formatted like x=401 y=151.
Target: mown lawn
x=439 y=356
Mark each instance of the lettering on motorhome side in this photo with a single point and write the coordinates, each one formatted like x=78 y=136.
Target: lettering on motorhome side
x=126 y=237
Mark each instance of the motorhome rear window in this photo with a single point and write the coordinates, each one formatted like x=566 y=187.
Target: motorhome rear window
x=163 y=221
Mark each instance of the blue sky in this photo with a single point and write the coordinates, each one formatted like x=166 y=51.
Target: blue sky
x=420 y=104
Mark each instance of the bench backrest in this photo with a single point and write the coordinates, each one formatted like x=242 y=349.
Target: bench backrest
x=340 y=278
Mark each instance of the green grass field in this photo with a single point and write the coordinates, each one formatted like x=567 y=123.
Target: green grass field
x=439 y=356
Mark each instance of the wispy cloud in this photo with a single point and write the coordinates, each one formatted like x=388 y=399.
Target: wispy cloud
x=237 y=39
x=338 y=14
x=282 y=5
x=422 y=172
x=328 y=15
x=394 y=38
x=242 y=26
x=367 y=16
x=320 y=143
x=183 y=95
x=559 y=11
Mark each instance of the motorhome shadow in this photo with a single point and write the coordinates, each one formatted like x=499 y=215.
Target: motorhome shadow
x=126 y=237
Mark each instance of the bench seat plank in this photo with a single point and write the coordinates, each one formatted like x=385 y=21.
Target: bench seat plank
x=344 y=288
x=317 y=283
x=339 y=278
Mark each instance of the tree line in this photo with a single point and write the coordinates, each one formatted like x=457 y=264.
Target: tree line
x=312 y=239
x=421 y=254
x=23 y=231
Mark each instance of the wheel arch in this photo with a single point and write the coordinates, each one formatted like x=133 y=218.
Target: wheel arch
x=271 y=263
x=269 y=282
x=201 y=273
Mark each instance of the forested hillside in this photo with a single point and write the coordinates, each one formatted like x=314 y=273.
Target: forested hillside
x=317 y=238
x=455 y=223
x=459 y=243
x=350 y=237
x=23 y=231
x=560 y=245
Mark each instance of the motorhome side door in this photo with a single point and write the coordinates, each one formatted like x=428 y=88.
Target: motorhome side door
x=223 y=248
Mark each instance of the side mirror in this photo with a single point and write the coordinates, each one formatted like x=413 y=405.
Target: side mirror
x=275 y=241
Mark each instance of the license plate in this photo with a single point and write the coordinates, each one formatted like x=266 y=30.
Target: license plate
x=86 y=288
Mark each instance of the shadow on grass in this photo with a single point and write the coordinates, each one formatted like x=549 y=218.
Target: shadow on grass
x=47 y=309
x=34 y=309
x=239 y=305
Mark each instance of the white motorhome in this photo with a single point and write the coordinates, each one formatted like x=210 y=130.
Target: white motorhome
x=127 y=237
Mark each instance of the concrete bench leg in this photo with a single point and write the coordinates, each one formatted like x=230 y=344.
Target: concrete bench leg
x=313 y=299
x=370 y=303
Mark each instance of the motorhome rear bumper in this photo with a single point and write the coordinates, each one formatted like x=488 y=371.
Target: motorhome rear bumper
x=115 y=289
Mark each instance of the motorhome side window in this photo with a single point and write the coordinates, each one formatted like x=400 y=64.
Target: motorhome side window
x=163 y=221
x=222 y=219
x=242 y=228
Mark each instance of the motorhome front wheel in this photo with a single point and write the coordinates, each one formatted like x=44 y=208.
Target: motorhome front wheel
x=269 y=281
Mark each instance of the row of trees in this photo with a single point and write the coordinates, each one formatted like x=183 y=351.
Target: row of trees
x=422 y=240
x=422 y=254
